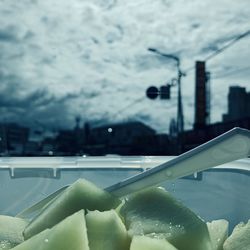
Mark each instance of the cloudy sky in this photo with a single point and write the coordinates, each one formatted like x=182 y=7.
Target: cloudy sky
x=62 y=58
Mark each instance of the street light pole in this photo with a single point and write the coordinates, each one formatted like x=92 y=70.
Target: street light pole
x=180 y=116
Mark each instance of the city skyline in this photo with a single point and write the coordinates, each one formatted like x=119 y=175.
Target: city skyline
x=60 y=60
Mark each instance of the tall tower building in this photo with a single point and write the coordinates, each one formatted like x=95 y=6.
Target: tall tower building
x=202 y=96
x=238 y=104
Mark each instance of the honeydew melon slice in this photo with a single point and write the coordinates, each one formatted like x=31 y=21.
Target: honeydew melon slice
x=218 y=231
x=147 y=243
x=155 y=211
x=5 y=245
x=106 y=231
x=36 y=242
x=11 y=231
x=69 y=234
x=239 y=239
x=80 y=195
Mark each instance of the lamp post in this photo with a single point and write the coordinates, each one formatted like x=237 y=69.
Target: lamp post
x=180 y=117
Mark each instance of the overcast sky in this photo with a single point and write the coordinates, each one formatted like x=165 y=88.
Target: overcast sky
x=62 y=58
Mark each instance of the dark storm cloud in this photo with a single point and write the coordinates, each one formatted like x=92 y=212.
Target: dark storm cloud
x=115 y=35
x=13 y=93
x=218 y=43
x=8 y=34
x=10 y=98
x=167 y=3
x=106 y=4
x=210 y=48
x=66 y=98
x=29 y=35
x=91 y=40
x=195 y=26
x=39 y=105
x=84 y=94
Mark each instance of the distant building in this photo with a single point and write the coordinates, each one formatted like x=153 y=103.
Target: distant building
x=202 y=95
x=48 y=146
x=119 y=133
x=193 y=138
x=32 y=148
x=13 y=138
x=70 y=142
x=158 y=144
x=119 y=138
x=238 y=104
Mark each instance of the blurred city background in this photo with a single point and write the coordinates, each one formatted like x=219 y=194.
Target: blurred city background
x=119 y=77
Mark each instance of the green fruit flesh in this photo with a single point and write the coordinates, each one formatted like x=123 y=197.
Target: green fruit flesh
x=147 y=243
x=106 y=231
x=5 y=245
x=154 y=220
x=80 y=195
x=69 y=234
x=11 y=229
x=35 y=242
x=218 y=231
x=239 y=239
x=154 y=211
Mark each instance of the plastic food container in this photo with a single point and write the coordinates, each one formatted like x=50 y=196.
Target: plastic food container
x=218 y=193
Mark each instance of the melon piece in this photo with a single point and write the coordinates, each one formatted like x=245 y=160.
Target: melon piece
x=147 y=243
x=69 y=234
x=239 y=239
x=155 y=211
x=80 y=195
x=5 y=245
x=35 y=242
x=218 y=231
x=106 y=231
x=11 y=231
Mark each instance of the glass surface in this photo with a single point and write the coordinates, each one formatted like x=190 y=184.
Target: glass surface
x=121 y=77
x=216 y=194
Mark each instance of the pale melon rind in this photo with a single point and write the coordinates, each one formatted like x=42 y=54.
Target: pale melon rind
x=106 y=231
x=155 y=211
x=218 y=231
x=80 y=195
x=147 y=243
x=239 y=239
x=69 y=234
x=11 y=231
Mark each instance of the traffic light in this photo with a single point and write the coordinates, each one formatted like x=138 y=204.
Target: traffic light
x=165 y=92
x=152 y=92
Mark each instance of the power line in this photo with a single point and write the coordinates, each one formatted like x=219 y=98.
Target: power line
x=233 y=72
x=128 y=106
x=220 y=50
x=236 y=39
x=138 y=100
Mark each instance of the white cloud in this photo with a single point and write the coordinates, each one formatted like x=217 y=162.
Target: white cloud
x=97 y=52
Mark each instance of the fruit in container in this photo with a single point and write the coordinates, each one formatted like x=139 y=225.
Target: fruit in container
x=157 y=213
x=69 y=234
x=239 y=239
x=11 y=231
x=218 y=231
x=80 y=195
x=106 y=231
x=147 y=243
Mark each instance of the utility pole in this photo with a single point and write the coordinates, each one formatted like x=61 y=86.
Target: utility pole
x=180 y=74
x=180 y=116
